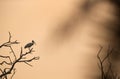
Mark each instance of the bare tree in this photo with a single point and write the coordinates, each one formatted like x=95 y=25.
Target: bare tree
x=107 y=71
x=4 y=72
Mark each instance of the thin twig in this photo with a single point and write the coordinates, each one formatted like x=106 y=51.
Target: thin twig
x=6 y=61
x=101 y=63
x=13 y=73
x=9 y=37
x=9 y=42
x=13 y=52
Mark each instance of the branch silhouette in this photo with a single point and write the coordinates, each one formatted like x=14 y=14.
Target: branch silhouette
x=106 y=71
x=21 y=59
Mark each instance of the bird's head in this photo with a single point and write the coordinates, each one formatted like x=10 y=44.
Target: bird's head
x=33 y=42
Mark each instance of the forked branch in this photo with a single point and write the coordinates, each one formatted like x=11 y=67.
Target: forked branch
x=106 y=71
x=22 y=58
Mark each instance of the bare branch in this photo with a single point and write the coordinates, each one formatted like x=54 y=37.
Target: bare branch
x=5 y=61
x=9 y=42
x=9 y=37
x=10 y=69
x=1 y=71
x=28 y=64
x=109 y=73
x=13 y=73
x=29 y=52
x=101 y=63
x=34 y=58
x=21 y=59
x=13 y=52
x=21 y=51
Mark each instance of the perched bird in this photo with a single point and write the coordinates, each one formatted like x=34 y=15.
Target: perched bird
x=29 y=44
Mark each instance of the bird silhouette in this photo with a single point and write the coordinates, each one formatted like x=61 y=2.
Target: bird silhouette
x=29 y=44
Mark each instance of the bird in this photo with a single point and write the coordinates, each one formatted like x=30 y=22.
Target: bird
x=29 y=44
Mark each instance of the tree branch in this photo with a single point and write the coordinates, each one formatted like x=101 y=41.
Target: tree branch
x=9 y=42
x=13 y=73
x=101 y=63
x=108 y=73
x=13 y=52
x=5 y=61
x=21 y=59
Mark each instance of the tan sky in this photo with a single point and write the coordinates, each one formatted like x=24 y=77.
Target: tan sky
x=62 y=57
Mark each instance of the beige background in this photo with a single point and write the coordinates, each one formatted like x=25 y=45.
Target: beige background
x=66 y=53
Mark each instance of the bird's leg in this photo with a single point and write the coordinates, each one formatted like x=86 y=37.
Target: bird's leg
x=29 y=48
